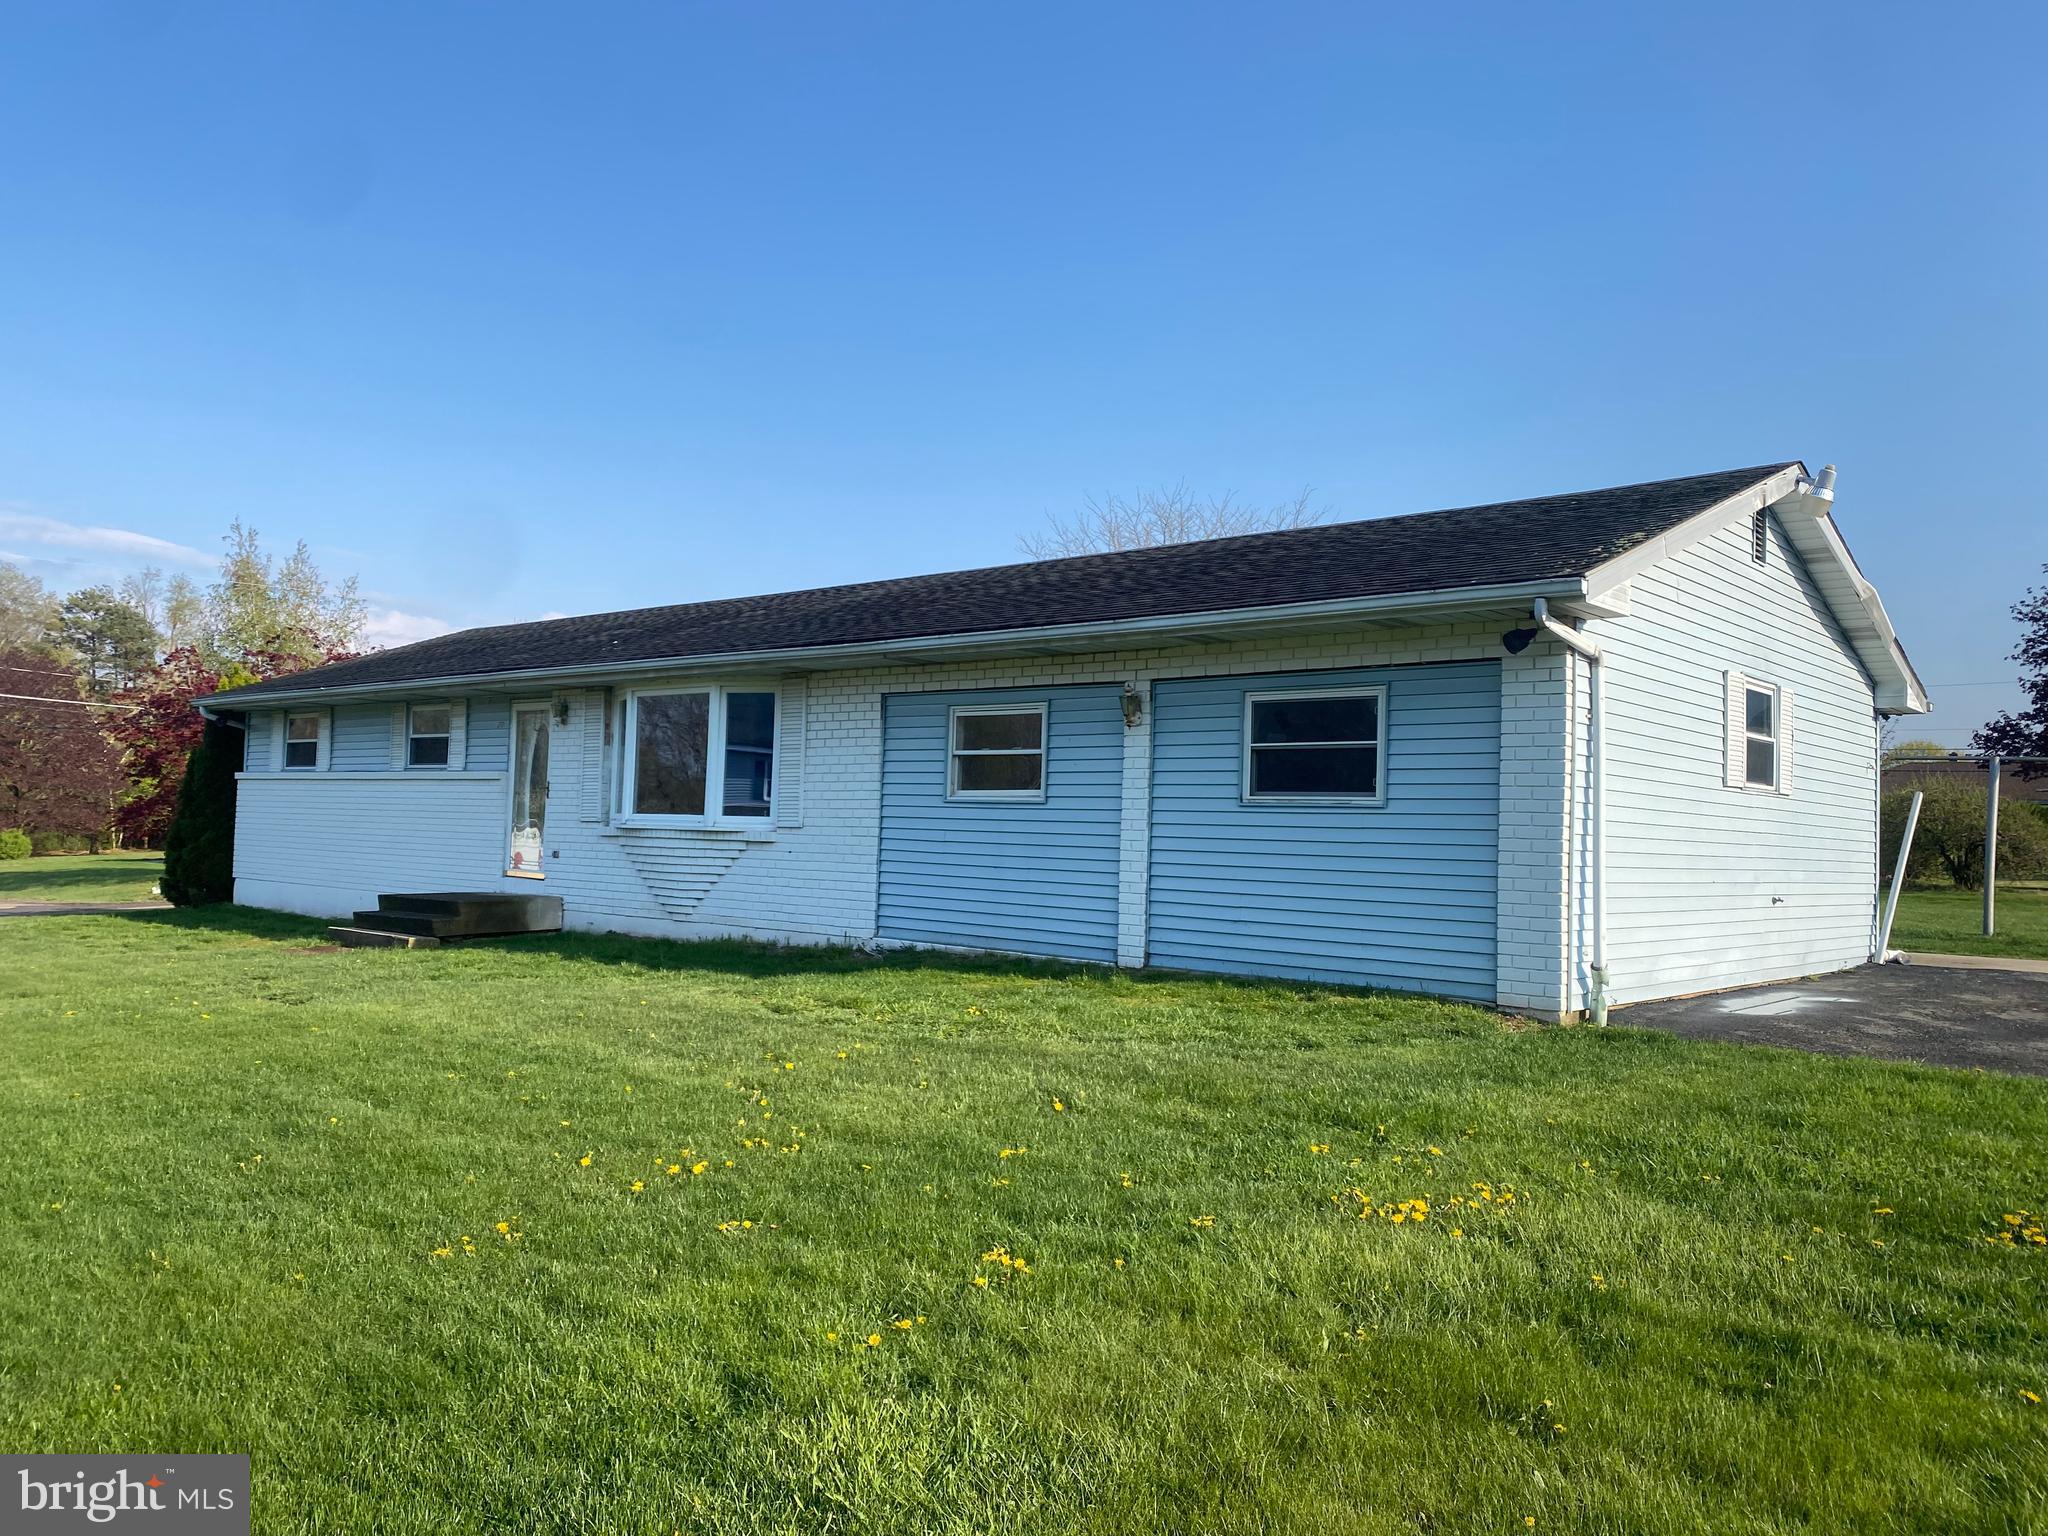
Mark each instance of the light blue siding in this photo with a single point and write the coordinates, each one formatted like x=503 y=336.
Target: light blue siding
x=1710 y=885
x=490 y=734
x=1400 y=895
x=1036 y=878
x=260 y=746
x=361 y=738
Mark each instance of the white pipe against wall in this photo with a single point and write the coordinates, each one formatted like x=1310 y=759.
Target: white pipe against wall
x=1596 y=771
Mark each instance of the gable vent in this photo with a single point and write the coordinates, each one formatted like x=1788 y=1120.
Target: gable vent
x=1759 y=536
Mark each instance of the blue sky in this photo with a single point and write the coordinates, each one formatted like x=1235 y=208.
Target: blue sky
x=521 y=309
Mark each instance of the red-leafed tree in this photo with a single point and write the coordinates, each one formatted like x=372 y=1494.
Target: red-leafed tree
x=2025 y=733
x=165 y=724
x=59 y=774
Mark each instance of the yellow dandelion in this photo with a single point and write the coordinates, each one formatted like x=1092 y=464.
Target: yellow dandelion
x=583 y=1161
x=699 y=1166
x=874 y=1341
x=638 y=1185
x=982 y=1281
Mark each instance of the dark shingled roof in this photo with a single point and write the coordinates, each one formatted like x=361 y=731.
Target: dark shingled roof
x=1549 y=537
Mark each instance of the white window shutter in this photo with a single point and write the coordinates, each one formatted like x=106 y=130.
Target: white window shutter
x=399 y=735
x=790 y=700
x=590 y=793
x=326 y=748
x=277 y=719
x=458 y=732
x=1784 y=741
x=1735 y=772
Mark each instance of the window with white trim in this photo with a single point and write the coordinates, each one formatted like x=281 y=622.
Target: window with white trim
x=995 y=752
x=1318 y=746
x=1759 y=735
x=426 y=743
x=673 y=738
x=302 y=737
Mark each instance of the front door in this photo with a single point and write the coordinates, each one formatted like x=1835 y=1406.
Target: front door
x=529 y=790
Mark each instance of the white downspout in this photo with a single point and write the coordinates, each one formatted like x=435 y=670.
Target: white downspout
x=1597 y=772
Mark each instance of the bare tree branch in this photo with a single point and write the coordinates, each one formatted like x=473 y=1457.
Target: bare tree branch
x=1171 y=516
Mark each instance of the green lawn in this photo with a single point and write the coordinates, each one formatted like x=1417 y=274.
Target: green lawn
x=1948 y=921
x=580 y=1235
x=81 y=877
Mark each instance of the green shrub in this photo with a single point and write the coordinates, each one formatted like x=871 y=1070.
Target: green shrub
x=15 y=844
x=61 y=842
x=199 y=848
x=1949 y=843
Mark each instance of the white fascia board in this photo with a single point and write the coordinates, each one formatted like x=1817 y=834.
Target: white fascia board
x=1700 y=526
x=1807 y=523
x=1857 y=607
x=1050 y=640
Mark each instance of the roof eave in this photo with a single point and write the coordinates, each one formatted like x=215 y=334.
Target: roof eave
x=1808 y=523
x=1565 y=591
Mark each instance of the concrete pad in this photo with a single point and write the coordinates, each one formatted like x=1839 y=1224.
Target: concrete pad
x=378 y=938
x=1983 y=963
x=1971 y=1017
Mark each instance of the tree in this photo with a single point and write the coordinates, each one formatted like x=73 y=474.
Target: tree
x=258 y=607
x=174 y=606
x=2025 y=734
x=59 y=774
x=158 y=735
x=199 y=848
x=27 y=612
x=112 y=642
x=1152 y=518
x=164 y=725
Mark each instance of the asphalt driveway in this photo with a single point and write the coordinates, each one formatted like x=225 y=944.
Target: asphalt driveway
x=1996 y=1020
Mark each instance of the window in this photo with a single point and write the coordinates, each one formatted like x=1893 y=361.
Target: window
x=302 y=735
x=673 y=736
x=997 y=752
x=427 y=742
x=1321 y=746
x=1760 y=737
x=1759 y=536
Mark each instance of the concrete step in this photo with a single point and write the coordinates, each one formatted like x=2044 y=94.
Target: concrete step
x=405 y=922
x=465 y=914
x=380 y=938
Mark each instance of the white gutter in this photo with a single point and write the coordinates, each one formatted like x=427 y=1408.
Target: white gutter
x=1597 y=772
x=1111 y=631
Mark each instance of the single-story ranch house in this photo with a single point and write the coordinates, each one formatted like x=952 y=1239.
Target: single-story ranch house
x=1549 y=754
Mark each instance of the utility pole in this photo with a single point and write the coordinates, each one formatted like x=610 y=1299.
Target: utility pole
x=1990 y=846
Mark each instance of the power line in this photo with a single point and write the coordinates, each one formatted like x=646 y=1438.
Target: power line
x=37 y=698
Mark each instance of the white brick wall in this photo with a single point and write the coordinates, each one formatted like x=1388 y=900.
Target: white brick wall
x=817 y=882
